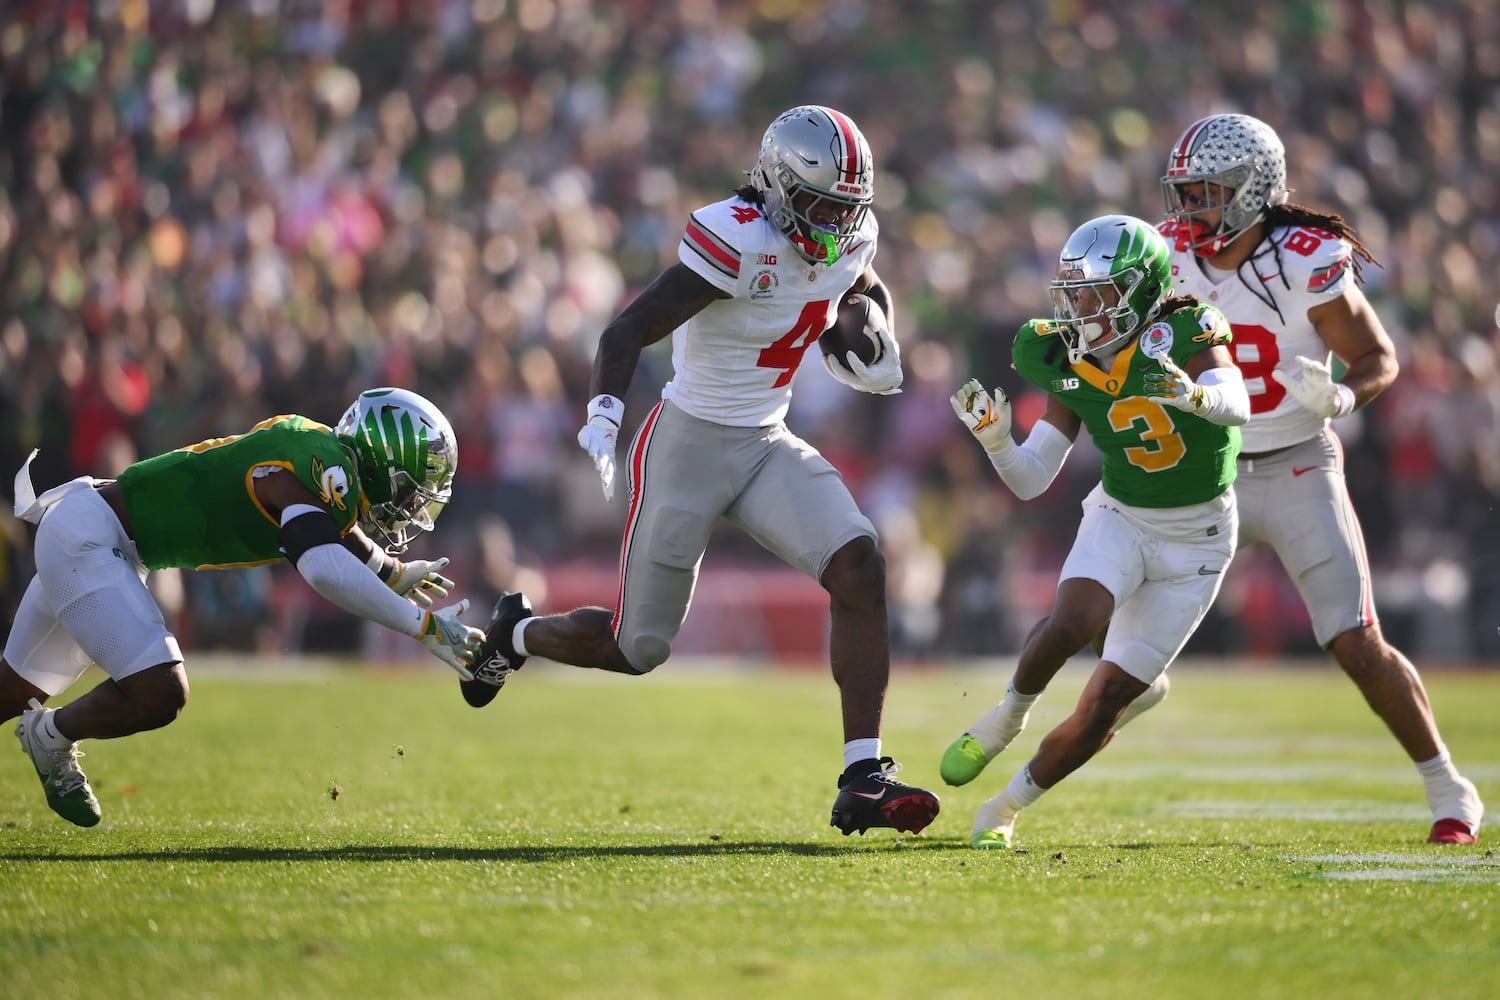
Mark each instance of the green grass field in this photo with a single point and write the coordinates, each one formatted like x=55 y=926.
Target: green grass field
x=334 y=832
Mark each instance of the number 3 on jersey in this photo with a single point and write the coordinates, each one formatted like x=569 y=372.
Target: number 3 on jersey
x=786 y=353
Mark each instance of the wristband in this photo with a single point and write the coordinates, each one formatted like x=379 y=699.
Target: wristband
x=611 y=408
x=1346 y=401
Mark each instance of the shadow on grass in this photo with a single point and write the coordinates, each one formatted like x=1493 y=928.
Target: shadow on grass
x=531 y=854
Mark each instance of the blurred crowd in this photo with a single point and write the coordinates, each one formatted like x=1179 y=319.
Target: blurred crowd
x=215 y=211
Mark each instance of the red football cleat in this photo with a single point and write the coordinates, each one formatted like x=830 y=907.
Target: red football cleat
x=1451 y=831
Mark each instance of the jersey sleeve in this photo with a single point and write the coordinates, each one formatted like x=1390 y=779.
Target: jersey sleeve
x=325 y=468
x=708 y=246
x=1038 y=353
x=1318 y=264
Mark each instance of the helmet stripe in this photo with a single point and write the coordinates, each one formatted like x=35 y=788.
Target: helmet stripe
x=849 y=158
x=1184 y=150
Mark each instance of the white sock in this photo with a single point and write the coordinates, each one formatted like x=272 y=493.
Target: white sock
x=1000 y=812
x=1003 y=723
x=862 y=749
x=518 y=637
x=48 y=731
x=1449 y=794
x=1441 y=765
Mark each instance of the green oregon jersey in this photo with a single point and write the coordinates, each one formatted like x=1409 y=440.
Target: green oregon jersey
x=1154 y=455
x=195 y=507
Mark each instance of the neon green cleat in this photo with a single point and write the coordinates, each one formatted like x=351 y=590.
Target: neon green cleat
x=991 y=839
x=963 y=761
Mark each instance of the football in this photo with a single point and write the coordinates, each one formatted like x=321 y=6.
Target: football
x=858 y=328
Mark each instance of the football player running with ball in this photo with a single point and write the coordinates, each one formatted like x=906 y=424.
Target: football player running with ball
x=1152 y=380
x=759 y=278
x=289 y=488
x=1287 y=278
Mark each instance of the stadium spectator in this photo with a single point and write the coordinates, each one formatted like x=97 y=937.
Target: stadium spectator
x=200 y=183
x=1118 y=357
x=1287 y=277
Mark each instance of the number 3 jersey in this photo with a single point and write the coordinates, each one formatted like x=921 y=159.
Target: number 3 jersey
x=1153 y=455
x=733 y=362
x=1266 y=302
x=196 y=507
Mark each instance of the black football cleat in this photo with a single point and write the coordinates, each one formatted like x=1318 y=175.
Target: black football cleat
x=878 y=799
x=497 y=658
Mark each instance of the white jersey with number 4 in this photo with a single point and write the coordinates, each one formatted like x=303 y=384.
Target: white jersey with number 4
x=1294 y=269
x=733 y=362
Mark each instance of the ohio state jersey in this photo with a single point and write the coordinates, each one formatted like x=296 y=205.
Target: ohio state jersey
x=733 y=362
x=1294 y=269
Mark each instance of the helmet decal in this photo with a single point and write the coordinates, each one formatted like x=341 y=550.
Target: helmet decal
x=405 y=454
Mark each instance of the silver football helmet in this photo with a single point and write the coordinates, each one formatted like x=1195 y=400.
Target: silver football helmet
x=1242 y=162
x=816 y=178
x=406 y=454
x=1112 y=275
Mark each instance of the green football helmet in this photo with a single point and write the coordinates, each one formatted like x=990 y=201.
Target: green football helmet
x=406 y=454
x=1112 y=275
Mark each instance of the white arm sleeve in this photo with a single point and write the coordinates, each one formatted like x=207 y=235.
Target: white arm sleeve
x=1225 y=398
x=1029 y=468
x=337 y=574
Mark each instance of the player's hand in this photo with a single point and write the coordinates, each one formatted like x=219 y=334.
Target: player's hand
x=987 y=417
x=1174 y=387
x=598 y=437
x=450 y=640
x=1311 y=384
x=420 y=581
x=883 y=378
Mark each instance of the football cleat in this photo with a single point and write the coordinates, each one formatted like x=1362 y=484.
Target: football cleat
x=877 y=799
x=497 y=658
x=963 y=760
x=991 y=840
x=68 y=791
x=1459 y=812
x=1452 y=831
x=994 y=824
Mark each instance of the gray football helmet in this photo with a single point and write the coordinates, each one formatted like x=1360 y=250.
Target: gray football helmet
x=817 y=151
x=1112 y=275
x=406 y=454
x=1244 y=158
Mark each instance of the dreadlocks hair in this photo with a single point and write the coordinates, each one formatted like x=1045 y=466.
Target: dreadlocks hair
x=1300 y=215
x=1174 y=303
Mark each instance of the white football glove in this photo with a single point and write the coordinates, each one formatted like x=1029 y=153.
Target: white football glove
x=450 y=640
x=1174 y=387
x=1312 y=385
x=987 y=417
x=419 y=581
x=883 y=378
x=598 y=437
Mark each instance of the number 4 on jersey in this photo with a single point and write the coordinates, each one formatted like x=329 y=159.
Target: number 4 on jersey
x=786 y=353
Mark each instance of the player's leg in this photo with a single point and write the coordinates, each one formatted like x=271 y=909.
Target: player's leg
x=680 y=483
x=91 y=589
x=1105 y=561
x=1148 y=630
x=1321 y=544
x=1066 y=748
x=796 y=505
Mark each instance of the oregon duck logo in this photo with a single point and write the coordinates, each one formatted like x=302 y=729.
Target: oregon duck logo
x=333 y=484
